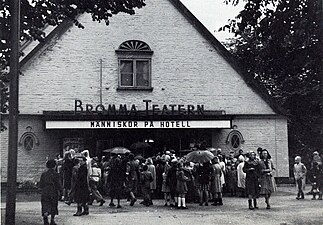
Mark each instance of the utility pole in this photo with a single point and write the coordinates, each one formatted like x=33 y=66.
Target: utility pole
x=13 y=112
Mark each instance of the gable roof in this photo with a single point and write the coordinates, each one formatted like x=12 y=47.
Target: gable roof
x=253 y=84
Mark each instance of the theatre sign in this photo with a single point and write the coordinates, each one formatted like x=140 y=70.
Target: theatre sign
x=129 y=124
x=121 y=116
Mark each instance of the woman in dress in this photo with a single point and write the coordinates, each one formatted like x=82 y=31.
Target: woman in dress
x=67 y=168
x=115 y=179
x=50 y=186
x=252 y=170
x=266 y=176
x=216 y=187
x=203 y=178
x=152 y=169
x=241 y=177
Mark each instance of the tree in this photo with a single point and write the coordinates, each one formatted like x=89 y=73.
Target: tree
x=37 y=14
x=278 y=43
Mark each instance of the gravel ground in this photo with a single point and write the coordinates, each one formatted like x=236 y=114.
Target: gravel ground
x=286 y=210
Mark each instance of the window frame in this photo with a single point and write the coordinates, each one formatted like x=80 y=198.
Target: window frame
x=134 y=55
x=230 y=142
x=134 y=72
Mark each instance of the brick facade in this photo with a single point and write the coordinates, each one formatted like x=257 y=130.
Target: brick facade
x=186 y=69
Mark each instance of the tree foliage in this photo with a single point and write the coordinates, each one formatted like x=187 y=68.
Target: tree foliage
x=278 y=42
x=36 y=14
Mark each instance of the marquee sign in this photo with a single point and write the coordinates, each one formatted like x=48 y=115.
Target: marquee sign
x=131 y=124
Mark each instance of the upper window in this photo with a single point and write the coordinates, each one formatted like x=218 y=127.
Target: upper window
x=134 y=60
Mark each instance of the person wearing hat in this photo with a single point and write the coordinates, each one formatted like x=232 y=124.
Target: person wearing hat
x=50 y=186
x=82 y=188
x=132 y=172
x=316 y=158
x=252 y=170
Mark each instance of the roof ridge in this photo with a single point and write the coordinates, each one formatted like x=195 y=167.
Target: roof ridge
x=252 y=83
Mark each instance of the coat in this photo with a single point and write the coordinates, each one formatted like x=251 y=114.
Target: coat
x=252 y=170
x=241 y=176
x=82 y=189
x=50 y=186
x=181 y=186
x=152 y=170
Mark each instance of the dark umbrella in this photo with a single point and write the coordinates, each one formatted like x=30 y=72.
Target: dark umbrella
x=117 y=150
x=140 y=145
x=199 y=156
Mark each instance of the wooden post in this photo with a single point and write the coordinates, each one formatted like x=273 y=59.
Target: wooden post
x=13 y=113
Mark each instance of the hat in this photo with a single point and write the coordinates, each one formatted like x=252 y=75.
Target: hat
x=174 y=161
x=51 y=163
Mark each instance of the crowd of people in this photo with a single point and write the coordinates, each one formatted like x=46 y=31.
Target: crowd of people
x=82 y=180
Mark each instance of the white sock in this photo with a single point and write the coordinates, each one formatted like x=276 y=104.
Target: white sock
x=183 y=202
x=179 y=202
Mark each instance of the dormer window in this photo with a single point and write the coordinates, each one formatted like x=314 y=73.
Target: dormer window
x=134 y=61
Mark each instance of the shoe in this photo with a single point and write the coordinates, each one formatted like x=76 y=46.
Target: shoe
x=67 y=202
x=215 y=204
x=165 y=204
x=184 y=207
x=171 y=205
x=46 y=221
x=206 y=204
x=132 y=202
x=78 y=212
x=268 y=207
x=201 y=204
x=112 y=204
x=119 y=206
x=313 y=198
x=142 y=202
x=297 y=198
x=102 y=202
x=52 y=223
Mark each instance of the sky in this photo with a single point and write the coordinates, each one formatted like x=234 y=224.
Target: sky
x=213 y=14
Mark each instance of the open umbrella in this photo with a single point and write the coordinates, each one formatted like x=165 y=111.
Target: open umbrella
x=117 y=150
x=199 y=156
x=140 y=145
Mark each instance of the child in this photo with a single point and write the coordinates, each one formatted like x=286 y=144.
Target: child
x=299 y=175
x=146 y=179
x=50 y=187
x=165 y=189
x=181 y=187
x=316 y=177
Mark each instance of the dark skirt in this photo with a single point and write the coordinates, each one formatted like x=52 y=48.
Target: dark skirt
x=49 y=205
x=252 y=187
x=116 y=187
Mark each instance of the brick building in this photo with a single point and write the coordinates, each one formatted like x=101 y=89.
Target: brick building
x=158 y=76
